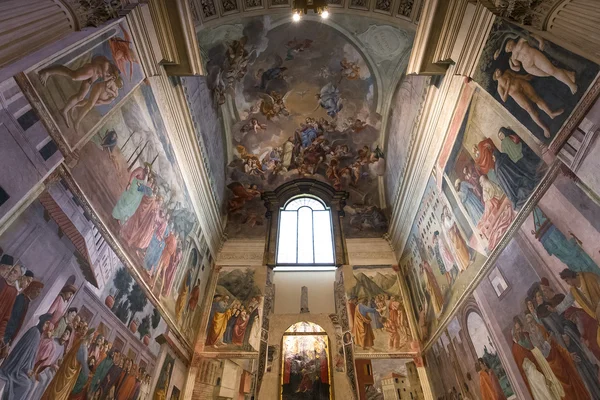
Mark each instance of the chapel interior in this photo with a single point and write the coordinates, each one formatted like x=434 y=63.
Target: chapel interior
x=300 y=199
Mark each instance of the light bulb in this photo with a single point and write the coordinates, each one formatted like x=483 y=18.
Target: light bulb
x=325 y=14
x=296 y=17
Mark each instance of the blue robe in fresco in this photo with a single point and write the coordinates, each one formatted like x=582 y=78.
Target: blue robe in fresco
x=568 y=251
x=474 y=206
x=155 y=250
x=84 y=373
x=129 y=201
x=100 y=374
x=228 y=335
x=559 y=326
x=17 y=316
x=330 y=100
x=20 y=362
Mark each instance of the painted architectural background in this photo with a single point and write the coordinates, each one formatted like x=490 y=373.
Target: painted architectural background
x=129 y=175
x=65 y=293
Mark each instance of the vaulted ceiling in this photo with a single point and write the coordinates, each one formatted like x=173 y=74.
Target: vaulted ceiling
x=325 y=99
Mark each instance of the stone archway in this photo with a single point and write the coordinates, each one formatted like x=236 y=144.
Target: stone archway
x=305 y=363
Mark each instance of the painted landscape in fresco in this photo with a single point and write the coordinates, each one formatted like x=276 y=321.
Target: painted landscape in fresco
x=537 y=81
x=303 y=99
x=467 y=360
x=234 y=322
x=376 y=312
x=81 y=86
x=547 y=326
x=393 y=375
x=74 y=320
x=305 y=366
x=129 y=175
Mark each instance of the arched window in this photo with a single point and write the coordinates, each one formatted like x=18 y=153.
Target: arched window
x=305 y=238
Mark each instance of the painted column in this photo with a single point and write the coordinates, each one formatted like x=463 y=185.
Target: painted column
x=424 y=378
x=28 y=25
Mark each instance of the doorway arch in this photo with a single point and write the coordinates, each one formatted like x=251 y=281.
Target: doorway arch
x=305 y=363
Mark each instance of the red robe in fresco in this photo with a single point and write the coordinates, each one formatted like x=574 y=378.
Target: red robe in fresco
x=8 y=294
x=138 y=230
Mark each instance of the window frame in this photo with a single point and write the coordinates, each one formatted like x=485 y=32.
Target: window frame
x=304 y=266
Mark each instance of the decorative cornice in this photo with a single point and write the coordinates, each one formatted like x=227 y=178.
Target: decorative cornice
x=174 y=22
x=477 y=35
x=421 y=160
x=210 y=13
x=144 y=35
x=94 y=13
x=188 y=153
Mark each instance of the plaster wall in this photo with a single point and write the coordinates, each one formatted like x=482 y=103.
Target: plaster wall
x=320 y=291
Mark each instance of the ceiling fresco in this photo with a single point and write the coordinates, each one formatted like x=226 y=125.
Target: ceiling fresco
x=304 y=100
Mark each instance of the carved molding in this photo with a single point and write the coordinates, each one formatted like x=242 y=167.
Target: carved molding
x=421 y=160
x=92 y=12
x=174 y=22
x=421 y=60
x=144 y=36
x=478 y=32
x=209 y=13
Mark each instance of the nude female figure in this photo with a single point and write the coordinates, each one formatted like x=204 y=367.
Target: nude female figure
x=535 y=62
x=518 y=87
x=99 y=68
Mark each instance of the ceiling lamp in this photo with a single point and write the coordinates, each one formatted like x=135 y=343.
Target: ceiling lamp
x=301 y=8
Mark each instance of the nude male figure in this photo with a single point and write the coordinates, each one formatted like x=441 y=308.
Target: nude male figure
x=536 y=63
x=99 y=68
x=518 y=87
x=103 y=92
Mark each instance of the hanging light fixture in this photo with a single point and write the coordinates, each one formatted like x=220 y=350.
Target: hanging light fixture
x=301 y=8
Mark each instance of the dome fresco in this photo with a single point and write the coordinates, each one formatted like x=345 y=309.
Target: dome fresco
x=304 y=103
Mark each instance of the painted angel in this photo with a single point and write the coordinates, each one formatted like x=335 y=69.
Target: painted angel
x=329 y=99
x=253 y=126
x=273 y=105
x=241 y=194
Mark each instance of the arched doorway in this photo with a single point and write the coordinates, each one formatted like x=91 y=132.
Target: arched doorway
x=305 y=363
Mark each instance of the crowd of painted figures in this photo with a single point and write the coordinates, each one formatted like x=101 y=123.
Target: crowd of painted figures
x=149 y=229
x=233 y=323
x=60 y=357
x=380 y=313
x=556 y=341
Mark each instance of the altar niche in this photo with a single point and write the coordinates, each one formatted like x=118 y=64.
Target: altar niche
x=305 y=363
